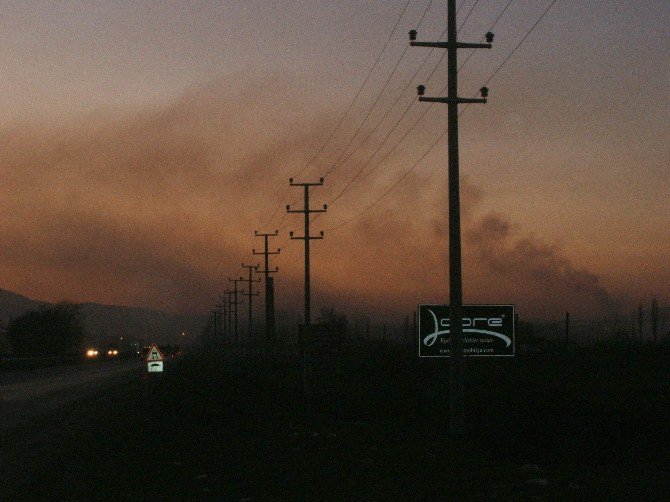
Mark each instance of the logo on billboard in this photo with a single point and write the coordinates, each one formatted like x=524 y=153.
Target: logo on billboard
x=488 y=330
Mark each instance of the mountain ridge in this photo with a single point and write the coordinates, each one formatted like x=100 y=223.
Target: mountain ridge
x=111 y=322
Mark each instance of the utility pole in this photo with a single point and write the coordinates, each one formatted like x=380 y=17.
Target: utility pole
x=250 y=294
x=221 y=317
x=269 y=286
x=235 y=303
x=308 y=317
x=229 y=302
x=654 y=318
x=457 y=378
x=307 y=237
x=222 y=323
x=215 y=322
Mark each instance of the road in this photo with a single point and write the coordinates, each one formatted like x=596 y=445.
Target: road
x=25 y=395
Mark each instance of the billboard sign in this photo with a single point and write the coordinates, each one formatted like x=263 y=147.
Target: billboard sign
x=488 y=330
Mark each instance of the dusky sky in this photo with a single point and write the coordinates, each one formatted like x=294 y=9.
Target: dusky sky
x=142 y=143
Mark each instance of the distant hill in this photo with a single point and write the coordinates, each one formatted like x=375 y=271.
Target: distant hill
x=13 y=305
x=111 y=322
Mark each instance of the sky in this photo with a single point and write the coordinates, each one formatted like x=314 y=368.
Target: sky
x=142 y=143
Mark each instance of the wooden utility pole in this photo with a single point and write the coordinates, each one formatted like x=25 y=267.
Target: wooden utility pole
x=269 y=287
x=216 y=322
x=229 y=324
x=307 y=237
x=224 y=322
x=250 y=294
x=654 y=319
x=222 y=319
x=457 y=379
x=234 y=303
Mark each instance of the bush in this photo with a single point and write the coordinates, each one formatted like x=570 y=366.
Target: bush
x=50 y=330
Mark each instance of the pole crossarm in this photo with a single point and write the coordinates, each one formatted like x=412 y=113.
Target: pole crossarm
x=271 y=271
x=450 y=100
x=313 y=184
x=289 y=210
x=446 y=45
x=303 y=237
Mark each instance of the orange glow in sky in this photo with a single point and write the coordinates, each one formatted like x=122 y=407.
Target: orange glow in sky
x=142 y=145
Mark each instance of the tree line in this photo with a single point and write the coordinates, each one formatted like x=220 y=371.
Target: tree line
x=48 y=330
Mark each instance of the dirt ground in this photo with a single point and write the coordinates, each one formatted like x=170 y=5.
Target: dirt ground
x=224 y=427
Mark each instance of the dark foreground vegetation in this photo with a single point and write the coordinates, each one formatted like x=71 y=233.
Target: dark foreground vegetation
x=579 y=424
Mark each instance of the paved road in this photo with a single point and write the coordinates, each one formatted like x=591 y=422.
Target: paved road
x=23 y=397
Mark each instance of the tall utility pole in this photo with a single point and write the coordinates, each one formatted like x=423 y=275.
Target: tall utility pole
x=215 y=322
x=269 y=286
x=222 y=319
x=234 y=303
x=250 y=294
x=308 y=316
x=307 y=237
x=457 y=379
x=229 y=302
x=654 y=318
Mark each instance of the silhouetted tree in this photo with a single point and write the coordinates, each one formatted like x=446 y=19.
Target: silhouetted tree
x=49 y=330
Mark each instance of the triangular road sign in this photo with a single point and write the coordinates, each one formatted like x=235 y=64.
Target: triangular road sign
x=154 y=354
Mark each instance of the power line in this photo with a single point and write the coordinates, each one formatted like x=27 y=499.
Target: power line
x=467 y=16
x=358 y=215
x=425 y=12
x=379 y=95
x=345 y=189
x=401 y=93
x=522 y=40
x=335 y=164
x=349 y=186
x=351 y=104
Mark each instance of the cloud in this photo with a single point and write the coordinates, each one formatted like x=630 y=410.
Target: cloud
x=533 y=272
x=157 y=208
x=149 y=208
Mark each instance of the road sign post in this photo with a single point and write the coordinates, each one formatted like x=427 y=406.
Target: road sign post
x=154 y=359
